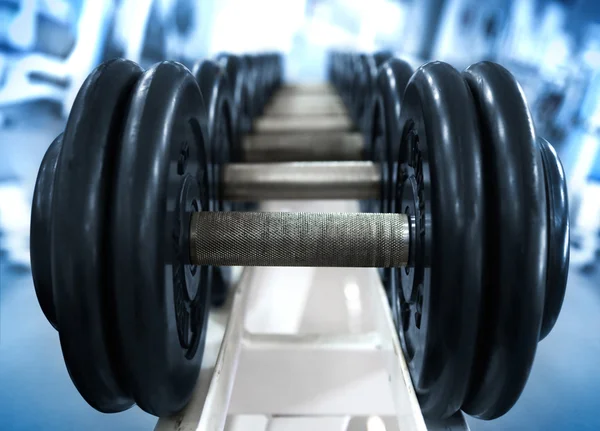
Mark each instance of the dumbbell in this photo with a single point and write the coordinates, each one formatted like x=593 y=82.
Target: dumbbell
x=365 y=84
x=351 y=73
x=253 y=79
x=468 y=238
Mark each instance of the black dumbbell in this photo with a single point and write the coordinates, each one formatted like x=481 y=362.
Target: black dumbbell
x=466 y=237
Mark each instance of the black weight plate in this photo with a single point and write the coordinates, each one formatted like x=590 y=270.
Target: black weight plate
x=215 y=89
x=439 y=187
x=234 y=69
x=40 y=231
x=260 y=84
x=161 y=301
x=80 y=253
x=384 y=134
x=558 y=235
x=216 y=92
x=515 y=264
x=385 y=130
x=251 y=88
x=382 y=56
x=358 y=82
x=366 y=90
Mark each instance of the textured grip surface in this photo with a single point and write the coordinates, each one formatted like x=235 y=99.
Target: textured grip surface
x=299 y=239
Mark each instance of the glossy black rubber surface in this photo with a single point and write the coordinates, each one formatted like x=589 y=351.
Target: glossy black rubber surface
x=382 y=56
x=558 y=235
x=385 y=128
x=516 y=236
x=365 y=91
x=40 y=231
x=216 y=93
x=161 y=301
x=80 y=251
x=236 y=75
x=383 y=131
x=439 y=187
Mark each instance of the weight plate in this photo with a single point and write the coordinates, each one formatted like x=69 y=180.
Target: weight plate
x=249 y=93
x=357 y=83
x=162 y=302
x=439 y=187
x=381 y=57
x=80 y=235
x=217 y=97
x=368 y=75
x=216 y=92
x=366 y=106
x=557 y=266
x=39 y=237
x=515 y=264
x=260 y=83
x=384 y=130
x=234 y=69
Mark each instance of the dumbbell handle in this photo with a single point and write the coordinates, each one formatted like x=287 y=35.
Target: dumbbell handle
x=320 y=146
x=299 y=239
x=301 y=180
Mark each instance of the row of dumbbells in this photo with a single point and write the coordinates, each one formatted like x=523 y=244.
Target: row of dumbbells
x=354 y=74
x=134 y=201
x=252 y=80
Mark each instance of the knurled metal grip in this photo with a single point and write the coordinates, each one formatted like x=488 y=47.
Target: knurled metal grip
x=299 y=239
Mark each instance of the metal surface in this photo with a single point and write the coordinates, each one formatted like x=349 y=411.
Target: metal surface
x=301 y=180
x=283 y=147
x=299 y=239
x=300 y=124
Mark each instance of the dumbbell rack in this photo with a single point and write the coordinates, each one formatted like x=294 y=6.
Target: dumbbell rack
x=304 y=348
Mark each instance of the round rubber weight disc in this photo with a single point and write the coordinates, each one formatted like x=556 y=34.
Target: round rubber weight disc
x=80 y=235
x=234 y=69
x=558 y=235
x=439 y=187
x=216 y=93
x=392 y=79
x=162 y=302
x=215 y=89
x=385 y=130
x=39 y=237
x=515 y=266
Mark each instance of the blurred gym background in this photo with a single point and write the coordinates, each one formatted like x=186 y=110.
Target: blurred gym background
x=48 y=47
